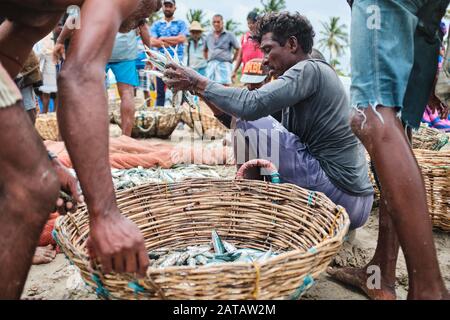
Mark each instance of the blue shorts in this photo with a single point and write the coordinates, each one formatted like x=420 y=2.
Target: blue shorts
x=394 y=54
x=125 y=72
x=297 y=166
x=219 y=72
x=140 y=64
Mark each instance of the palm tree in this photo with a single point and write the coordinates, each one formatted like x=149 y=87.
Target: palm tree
x=199 y=16
x=271 y=6
x=335 y=38
x=232 y=26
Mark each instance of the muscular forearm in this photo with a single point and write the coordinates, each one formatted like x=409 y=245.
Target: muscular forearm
x=145 y=35
x=249 y=105
x=65 y=34
x=82 y=94
x=173 y=41
x=237 y=54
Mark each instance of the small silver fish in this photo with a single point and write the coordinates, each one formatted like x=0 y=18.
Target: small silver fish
x=229 y=247
x=183 y=258
x=192 y=262
x=217 y=243
x=171 y=260
x=266 y=256
x=201 y=259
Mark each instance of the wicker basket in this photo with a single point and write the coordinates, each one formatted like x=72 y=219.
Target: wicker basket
x=155 y=122
x=47 y=126
x=306 y=227
x=429 y=139
x=435 y=168
x=204 y=123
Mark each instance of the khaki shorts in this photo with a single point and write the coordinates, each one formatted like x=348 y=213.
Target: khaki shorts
x=9 y=93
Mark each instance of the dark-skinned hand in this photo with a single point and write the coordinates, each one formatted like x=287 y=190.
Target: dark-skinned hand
x=70 y=196
x=118 y=245
x=181 y=78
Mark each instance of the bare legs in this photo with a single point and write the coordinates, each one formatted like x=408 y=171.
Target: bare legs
x=29 y=189
x=405 y=203
x=127 y=110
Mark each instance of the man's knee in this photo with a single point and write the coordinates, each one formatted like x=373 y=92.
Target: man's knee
x=371 y=124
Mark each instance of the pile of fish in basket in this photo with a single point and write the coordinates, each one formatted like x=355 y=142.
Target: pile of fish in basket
x=217 y=252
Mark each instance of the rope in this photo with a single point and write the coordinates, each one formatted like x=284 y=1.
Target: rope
x=311 y=198
x=257 y=290
x=100 y=290
x=308 y=281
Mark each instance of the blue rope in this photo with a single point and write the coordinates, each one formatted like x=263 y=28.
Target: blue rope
x=55 y=237
x=311 y=199
x=100 y=290
x=312 y=250
x=275 y=177
x=136 y=287
x=307 y=283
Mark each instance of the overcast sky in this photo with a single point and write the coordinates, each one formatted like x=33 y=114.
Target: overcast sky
x=315 y=10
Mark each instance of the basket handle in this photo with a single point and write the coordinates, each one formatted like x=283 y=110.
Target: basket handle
x=259 y=163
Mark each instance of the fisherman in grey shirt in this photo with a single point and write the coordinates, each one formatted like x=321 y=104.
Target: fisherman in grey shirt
x=318 y=150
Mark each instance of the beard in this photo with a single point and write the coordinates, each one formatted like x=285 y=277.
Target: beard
x=144 y=9
x=168 y=14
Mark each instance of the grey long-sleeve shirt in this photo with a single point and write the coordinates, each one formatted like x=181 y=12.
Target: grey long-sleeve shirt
x=316 y=109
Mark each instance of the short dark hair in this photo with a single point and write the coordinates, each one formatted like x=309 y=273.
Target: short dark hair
x=284 y=25
x=252 y=16
x=218 y=16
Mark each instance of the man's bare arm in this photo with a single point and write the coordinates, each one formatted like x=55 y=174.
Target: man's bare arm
x=173 y=41
x=114 y=240
x=145 y=35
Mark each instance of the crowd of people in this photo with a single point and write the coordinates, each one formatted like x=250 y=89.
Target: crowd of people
x=289 y=88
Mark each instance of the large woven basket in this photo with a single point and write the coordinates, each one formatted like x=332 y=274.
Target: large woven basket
x=154 y=122
x=429 y=139
x=305 y=226
x=47 y=126
x=435 y=168
x=204 y=123
x=425 y=139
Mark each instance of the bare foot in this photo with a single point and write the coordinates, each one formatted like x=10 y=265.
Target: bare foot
x=44 y=255
x=358 y=278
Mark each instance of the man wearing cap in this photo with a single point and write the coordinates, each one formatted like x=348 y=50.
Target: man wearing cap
x=169 y=33
x=219 y=51
x=196 y=49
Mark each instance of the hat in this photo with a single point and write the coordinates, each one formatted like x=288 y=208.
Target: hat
x=169 y=1
x=196 y=26
x=253 y=72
